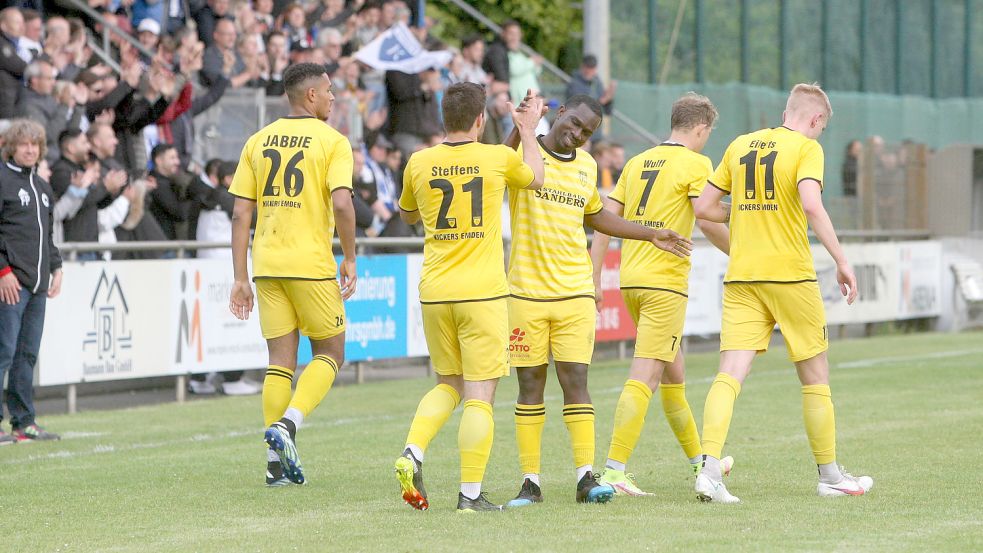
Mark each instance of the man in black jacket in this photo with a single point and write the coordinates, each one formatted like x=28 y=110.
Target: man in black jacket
x=169 y=202
x=84 y=225
x=30 y=272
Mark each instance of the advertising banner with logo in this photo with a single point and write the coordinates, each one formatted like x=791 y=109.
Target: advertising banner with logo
x=920 y=271
x=109 y=323
x=416 y=341
x=876 y=267
x=613 y=321
x=706 y=292
x=204 y=335
x=375 y=325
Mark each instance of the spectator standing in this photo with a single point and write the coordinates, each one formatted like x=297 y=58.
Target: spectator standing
x=383 y=178
x=12 y=67
x=264 y=15
x=169 y=204
x=278 y=58
x=496 y=111
x=363 y=195
x=29 y=46
x=148 y=34
x=496 y=61
x=74 y=160
x=412 y=108
x=30 y=273
x=473 y=54
x=209 y=16
x=587 y=81
x=215 y=210
x=222 y=60
x=295 y=27
x=37 y=102
x=523 y=70
x=139 y=226
x=367 y=25
x=851 y=168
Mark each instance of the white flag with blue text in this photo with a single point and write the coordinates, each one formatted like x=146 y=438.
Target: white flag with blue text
x=398 y=50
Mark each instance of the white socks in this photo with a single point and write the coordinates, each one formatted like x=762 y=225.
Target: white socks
x=471 y=490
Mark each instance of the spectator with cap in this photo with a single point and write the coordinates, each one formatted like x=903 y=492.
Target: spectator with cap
x=12 y=66
x=148 y=34
x=586 y=80
x=387 y=189
x=30 y=273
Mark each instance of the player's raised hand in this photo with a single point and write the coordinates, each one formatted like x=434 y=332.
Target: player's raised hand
x=528 y=118
x=530 y=94
x=241 y=300
x=847 y=281
x=348 y=277
x=672 y=242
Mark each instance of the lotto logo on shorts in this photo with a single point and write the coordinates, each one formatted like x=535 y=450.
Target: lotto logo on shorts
x=515 y=341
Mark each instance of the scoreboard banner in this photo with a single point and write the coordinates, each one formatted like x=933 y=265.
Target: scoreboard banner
x=133 y=319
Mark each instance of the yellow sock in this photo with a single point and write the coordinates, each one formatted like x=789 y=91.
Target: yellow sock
x=314 y=384
x=680 y=418
x=629 y=418
x=817 y=410
x=529 y=422
x=579 y=418
x=474 y=439
x=717 y=413
x=276 y=393
x=431 y=414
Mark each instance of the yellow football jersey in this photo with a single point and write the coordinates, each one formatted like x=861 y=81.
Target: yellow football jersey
x=762 y=171
x=458 y=189
x=549 y=257
x=289 y=168
x=656 y=188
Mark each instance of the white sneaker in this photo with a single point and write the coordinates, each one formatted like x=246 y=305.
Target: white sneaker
x=848 y=485
x=201 y=387
x=709 y=491
x=241 y=387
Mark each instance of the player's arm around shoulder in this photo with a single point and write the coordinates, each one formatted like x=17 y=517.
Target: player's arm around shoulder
x=599 y=249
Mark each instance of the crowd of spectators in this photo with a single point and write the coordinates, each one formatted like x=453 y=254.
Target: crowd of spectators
x=119 y=124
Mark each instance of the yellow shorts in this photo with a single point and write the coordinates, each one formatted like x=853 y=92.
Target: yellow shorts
x=468 y=338
x=659 y=316
x=564 y=327
x=313 y=306
x=751 y=311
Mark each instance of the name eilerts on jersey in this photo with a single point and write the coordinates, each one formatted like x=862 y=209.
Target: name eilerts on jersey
x=561 y=197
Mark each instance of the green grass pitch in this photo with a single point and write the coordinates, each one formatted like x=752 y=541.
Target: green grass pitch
x=190 y=477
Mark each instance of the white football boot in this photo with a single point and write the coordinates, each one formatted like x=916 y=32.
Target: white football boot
x=848 y=485
x=709 y=491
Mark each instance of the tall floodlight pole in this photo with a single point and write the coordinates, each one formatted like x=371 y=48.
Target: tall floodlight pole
x=597 y=35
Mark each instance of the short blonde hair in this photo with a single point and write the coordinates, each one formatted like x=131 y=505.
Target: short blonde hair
x=692 y=109
x=23 y=130
x=805 y=96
